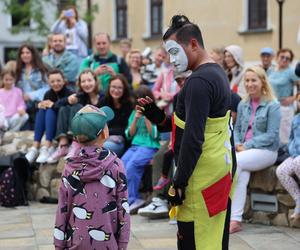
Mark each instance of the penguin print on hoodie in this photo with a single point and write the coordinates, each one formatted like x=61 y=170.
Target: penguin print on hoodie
x=92 y=211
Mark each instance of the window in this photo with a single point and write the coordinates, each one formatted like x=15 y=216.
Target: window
x=121 y=18
x=257 y=14
x=156 y=17
x=20 y=16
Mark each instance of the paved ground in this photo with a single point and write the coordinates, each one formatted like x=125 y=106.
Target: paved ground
x=30 y=228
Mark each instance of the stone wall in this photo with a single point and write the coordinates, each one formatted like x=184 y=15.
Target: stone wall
x=45 y=181
x=266 y=182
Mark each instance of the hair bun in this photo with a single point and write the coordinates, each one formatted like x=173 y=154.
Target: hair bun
x=179 y=21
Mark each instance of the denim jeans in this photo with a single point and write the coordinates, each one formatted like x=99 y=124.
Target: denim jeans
x=45 y=121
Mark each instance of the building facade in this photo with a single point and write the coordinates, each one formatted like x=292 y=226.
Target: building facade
x=10 y=42
x=252 y=24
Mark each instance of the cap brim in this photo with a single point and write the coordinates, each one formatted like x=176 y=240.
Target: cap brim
x=108 y=112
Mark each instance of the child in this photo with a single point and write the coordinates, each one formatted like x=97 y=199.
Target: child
x=11 y=98
x=145 y=142
x=291 y=166
x=88 y=93
x=2 y=123
x=45 y=120
x=92 y=211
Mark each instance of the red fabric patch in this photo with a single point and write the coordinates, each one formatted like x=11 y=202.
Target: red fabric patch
x=235 y=88
x=216 y=195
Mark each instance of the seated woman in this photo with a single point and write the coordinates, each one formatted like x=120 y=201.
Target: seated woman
x=31 y=77
x=118 y=99
x=145 y=143
x=256 y=135
x=134 y=61
x=88 y=94
x=46 y=117
x=290 y=168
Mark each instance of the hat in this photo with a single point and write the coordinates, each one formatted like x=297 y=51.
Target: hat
x=267 y=50
x=237 y=54
x=89 y=122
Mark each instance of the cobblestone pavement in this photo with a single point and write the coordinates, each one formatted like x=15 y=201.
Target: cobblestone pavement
x=30 y=228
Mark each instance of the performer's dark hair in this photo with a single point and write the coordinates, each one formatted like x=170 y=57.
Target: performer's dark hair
x=184 y=30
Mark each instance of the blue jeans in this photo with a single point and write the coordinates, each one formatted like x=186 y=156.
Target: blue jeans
x=45 y=120
x=118 y=148
x=135 y=160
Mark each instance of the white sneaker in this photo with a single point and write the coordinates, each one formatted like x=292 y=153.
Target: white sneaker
x=136 y=205
x=32 y=154
x=157 y=209
x=44 y=154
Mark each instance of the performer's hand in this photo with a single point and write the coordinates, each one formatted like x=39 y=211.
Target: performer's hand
x=176 y=196
x=151 y=111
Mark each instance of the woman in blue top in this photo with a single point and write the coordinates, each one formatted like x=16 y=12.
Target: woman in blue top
x=31 y=77
x=291 y=166
x=256 y=135
x=283 y=79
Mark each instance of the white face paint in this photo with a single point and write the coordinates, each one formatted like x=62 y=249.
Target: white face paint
x=178 y=56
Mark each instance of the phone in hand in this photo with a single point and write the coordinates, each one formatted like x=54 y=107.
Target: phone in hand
x=69 y=13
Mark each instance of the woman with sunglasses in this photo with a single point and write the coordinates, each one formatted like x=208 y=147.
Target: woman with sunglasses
x=283 y=79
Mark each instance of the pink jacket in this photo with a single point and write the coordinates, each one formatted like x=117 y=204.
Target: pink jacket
x=12 y=101
x=166 y=83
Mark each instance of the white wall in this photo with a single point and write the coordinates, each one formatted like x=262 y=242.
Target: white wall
x=15 y=40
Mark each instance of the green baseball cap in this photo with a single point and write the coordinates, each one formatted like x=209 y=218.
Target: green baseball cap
x=89 y=122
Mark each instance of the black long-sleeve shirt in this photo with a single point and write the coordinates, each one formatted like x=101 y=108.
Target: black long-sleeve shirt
x=206 y=93
x=57 y=97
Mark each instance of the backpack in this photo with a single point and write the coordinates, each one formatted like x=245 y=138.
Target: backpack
x=14 y=173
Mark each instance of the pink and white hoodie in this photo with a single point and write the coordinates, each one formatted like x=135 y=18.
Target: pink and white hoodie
x=93 y=212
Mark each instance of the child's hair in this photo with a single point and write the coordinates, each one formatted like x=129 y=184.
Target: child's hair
x=57 y=71
x=86 y=71
x=8 y=71
x=142 y=92
x=125 y=99
x=4 y=72
x=11 y=64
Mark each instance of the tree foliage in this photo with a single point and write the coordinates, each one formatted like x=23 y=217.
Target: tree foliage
x=27 y=11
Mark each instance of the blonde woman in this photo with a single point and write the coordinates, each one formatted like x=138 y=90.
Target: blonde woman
x=256 y=135
x=134 y=62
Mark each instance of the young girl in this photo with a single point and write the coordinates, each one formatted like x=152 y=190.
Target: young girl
x=88 y=94
x=11 y=98
x=118 y=99
x=145 y=142
x=46 y=117
x=291 y=166
x=92 y=211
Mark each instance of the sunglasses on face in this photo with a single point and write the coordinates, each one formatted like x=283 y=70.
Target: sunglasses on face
x=286 y=58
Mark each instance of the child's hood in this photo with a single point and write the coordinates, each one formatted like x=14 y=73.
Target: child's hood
x=91 y=163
